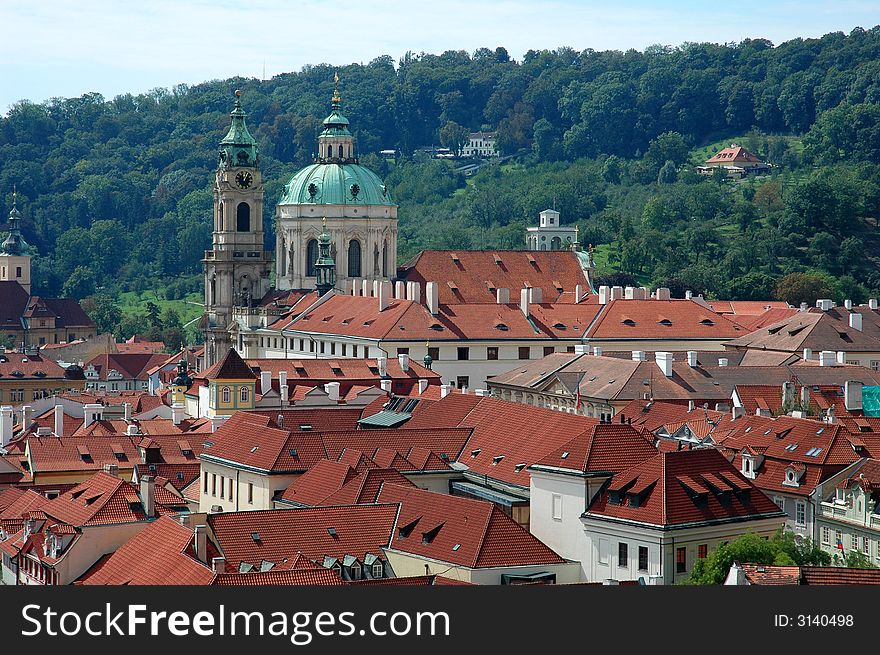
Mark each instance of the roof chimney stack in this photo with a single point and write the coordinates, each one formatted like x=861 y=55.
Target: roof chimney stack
x=177 y=413
x=386 y=386
x=201 y=539
x=403 y=360
x=148 y=495
x=524 y=295
x=872 y=303
x=855 y=321
x=578 y=292
x=92 y=413
x=400 y=290
x=827 y=358
x=126 y=411
x=536 y=295
x=382 y=365
x=423 y=384
x=59 y=420
x=218 y=564
x=664 y=362
x=581 y=349
x=332 y=391
x=445 y=389
x=604 y=294
x=432 y=297
x=825 y=304
x=852 y=395
x=848 y=304
x=502 y=296
x=638 y=355
x=597 y=351
x=722 y=361
x=662 y=293
x=265 y=382
x=692 y=358
x=808 y=354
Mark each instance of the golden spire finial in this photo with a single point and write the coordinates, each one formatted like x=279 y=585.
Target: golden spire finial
x=238 y=93
x=14 y=194
x=336 y=98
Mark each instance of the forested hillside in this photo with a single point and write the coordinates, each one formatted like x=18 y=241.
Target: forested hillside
x=115 y=193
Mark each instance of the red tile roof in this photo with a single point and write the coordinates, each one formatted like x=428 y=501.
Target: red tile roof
x=103 y=499
x=758 y=574
x=288 y=578
x=319 y=482
x=606 y=447
x=734 y=155
x=17 y=366
x=281 y=535
x=461 y=531
x=669 y=497
x=160 y=554
x=661 y=319
x=365 y=487
x=475 y=274
x=132 y=366
x=231 y=367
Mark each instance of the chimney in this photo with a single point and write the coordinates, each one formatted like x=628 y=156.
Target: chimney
x=148 y=495
x=332 y=390
x=282 y=378
x=662 y=293
x=432 y=297
x=848 y=304
x=536 y=295
x=616 y=293
x=353 y=287
x=400 y=290
x=177 y=413
x=126 y=411
x=502 y=296
x=581 y=349
x=365 y=287
x=805 y=397
x=524 y=295
x=285 y=392
x=824 y=304
x=597 y=351
x=423 y=384
x=578 y=292
x=445 y=389
x=872 y=303
x=664 y=362
x=852 y=395
x=384 y=295
x=92 y=413
x=217 y=422
x=604 y=294
x=59 y=420
x=691 y=405
x=386 y=386
x=27 y=416
x=403 y=360
x=629 y=293
x=218 y=564
x=265 y=382
x=201 y=535
x=692 y=358
x=645 y=293
x=382 y=365
x=803 y=307
x=112 y=469
x=855 y=321
x=787 y=393
x=375 y=293
x=131 y=430
x=722 y=361
x=841 y=357
x=463 y=390
x=481 y=392
x=688 y=295
x=638 y=355
x=808 y=354
x=415 y=291
x=826 y=358
x=737 y=412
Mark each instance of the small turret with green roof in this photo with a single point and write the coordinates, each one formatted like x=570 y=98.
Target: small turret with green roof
x=14 y=244
x=238 y=147
x=325 y=267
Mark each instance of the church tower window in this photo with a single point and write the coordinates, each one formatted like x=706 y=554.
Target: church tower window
x=220 y=225
x=354 y=258
x=311 y=257
x=243 y=217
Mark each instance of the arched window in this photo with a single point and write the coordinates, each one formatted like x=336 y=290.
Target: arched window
x=341 y=156
x=311 y=257
x=226 y=394
x=354 y=258
x=329 y=151
x=556 y=243
x=245 y=395
x=243 y=217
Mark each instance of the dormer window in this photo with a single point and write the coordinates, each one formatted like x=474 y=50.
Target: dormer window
x=377 y=570
x=356 y=570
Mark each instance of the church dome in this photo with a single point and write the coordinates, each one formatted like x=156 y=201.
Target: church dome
x=336 y=184
x=336 y=177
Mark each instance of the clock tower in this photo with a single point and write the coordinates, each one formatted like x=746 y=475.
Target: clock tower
x=237 y=266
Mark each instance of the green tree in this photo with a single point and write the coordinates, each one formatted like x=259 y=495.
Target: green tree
x=104 y=311
x=668 y=173
x=80 y=283
x=454 y=136
x=797 y=288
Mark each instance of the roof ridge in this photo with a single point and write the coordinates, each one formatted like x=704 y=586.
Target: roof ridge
x=492 y=509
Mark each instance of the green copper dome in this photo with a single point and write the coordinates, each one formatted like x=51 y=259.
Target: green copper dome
x=336 y=184
x=14 y=244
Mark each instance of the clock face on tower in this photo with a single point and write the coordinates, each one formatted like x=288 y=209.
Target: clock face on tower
x=244 y=179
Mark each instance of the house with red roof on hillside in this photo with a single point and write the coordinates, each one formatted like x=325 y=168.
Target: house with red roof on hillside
x=735 y=161
x=653 y=521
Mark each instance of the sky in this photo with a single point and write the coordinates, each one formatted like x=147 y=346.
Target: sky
x=59 y=48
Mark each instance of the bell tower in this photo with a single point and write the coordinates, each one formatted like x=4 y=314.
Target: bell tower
x=15 y=253
x=237 y=266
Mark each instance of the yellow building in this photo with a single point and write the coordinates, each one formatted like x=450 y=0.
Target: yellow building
x=230 y=385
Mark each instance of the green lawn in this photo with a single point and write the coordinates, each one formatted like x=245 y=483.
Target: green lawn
x=702 y=153
x=132 y=303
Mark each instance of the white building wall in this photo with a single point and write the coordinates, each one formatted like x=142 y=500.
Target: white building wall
x=264 y=488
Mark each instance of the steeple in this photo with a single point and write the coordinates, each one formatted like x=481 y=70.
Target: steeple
x=14 y=243
x=335 y=143
x=325 y=267
x=238 y=147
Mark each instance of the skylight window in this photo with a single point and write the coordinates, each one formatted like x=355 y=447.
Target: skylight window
x=565 y=455
x=255 y=536
x=820 y=430
x=497 y=460
x=748 y=429
x=813 y=452
x=456 y=547
x=519 y=467
x=331 y=532
x=476 y=452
